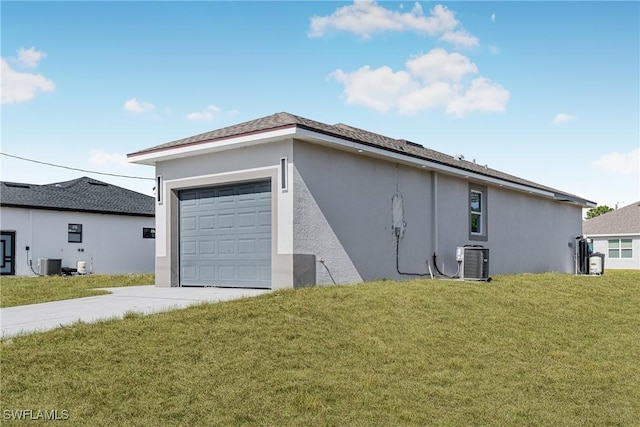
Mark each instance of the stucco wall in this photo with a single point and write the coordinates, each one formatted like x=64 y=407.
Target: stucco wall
x=600 y=244
x=343 y=214
x=112 y=244
x=524 y=233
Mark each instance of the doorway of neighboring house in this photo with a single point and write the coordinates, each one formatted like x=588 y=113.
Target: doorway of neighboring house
x=8 y=253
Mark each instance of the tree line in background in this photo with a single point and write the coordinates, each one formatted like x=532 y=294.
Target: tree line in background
x=597 y=211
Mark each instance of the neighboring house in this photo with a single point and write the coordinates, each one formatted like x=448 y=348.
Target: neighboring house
x=284 y=201
x=616 y=234
x=109 y=228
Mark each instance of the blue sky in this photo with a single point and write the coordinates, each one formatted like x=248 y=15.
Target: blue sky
x=548 y=91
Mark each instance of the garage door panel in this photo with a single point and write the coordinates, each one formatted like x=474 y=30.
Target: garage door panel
x=207 y=247
x=189 y=223
x=207 y=222
x=207 y=272
x=246 y=220
x=189 y=272
x=189 y=248
x=225 y=236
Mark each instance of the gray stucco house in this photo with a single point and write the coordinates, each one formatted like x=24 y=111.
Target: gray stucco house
x=108 y=228
x=283 y=201
x=616 y=234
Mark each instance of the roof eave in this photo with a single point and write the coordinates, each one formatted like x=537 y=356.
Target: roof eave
x=298 y=131
x=159 y=154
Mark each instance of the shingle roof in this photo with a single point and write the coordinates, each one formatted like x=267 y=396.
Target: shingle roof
x=624 y=220
x=82 y=194
x=285 y=120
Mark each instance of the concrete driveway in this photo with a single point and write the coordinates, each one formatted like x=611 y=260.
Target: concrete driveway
x=139 y=299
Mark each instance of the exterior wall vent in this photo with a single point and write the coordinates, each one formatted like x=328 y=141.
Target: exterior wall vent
x=474 y=262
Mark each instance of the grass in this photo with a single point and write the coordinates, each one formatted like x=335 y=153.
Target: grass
x=523 y=350
x=20 y=290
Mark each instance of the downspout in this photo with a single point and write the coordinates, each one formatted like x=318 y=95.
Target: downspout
x=434 y=206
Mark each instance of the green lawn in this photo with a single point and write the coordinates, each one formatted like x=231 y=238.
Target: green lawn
x=524 y=350
x=19 y=290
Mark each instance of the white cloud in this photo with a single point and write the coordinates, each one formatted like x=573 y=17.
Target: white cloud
x=378 y=89
x=439 y=65
x=620 y=163
x=101 y=158
x=493 y=17
x=207 y=114
x=366 y=18
x=29 y=57
x=19 y=87
x=483 y=95
x=494 y=50
x=136 y=106
x=460 y=38
x=562 y=118
x=433 y=80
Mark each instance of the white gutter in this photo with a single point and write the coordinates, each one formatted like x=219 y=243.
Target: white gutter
x=613 y=235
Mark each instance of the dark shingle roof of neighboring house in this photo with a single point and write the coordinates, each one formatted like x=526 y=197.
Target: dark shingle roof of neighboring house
x=625 y=220
x=285 y=120
x=81 y=195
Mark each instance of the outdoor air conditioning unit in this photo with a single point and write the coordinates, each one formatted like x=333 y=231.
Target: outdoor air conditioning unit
x=474 y=262
x=49 y=267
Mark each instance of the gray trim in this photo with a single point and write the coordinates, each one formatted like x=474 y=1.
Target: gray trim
x=484 y=236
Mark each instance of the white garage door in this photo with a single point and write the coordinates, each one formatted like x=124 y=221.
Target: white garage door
x=225 y=236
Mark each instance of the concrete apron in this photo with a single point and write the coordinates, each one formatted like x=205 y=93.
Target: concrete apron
x=137 y=299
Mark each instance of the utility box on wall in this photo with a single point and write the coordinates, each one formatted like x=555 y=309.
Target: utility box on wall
x=474 y=262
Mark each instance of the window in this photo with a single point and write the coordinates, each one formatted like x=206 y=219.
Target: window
x=620 y=248
x=477 y=212
x=75 y=233
x=148 y=233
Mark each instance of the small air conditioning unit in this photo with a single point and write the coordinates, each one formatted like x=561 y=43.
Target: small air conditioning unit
x=49 y=267
x=474 y=262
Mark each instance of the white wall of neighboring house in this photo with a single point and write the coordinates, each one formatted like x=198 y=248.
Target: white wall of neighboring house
x=601 y=244
x=111 y=244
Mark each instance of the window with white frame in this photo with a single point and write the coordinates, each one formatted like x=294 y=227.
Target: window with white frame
x=620 y=248
x=477 y=212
